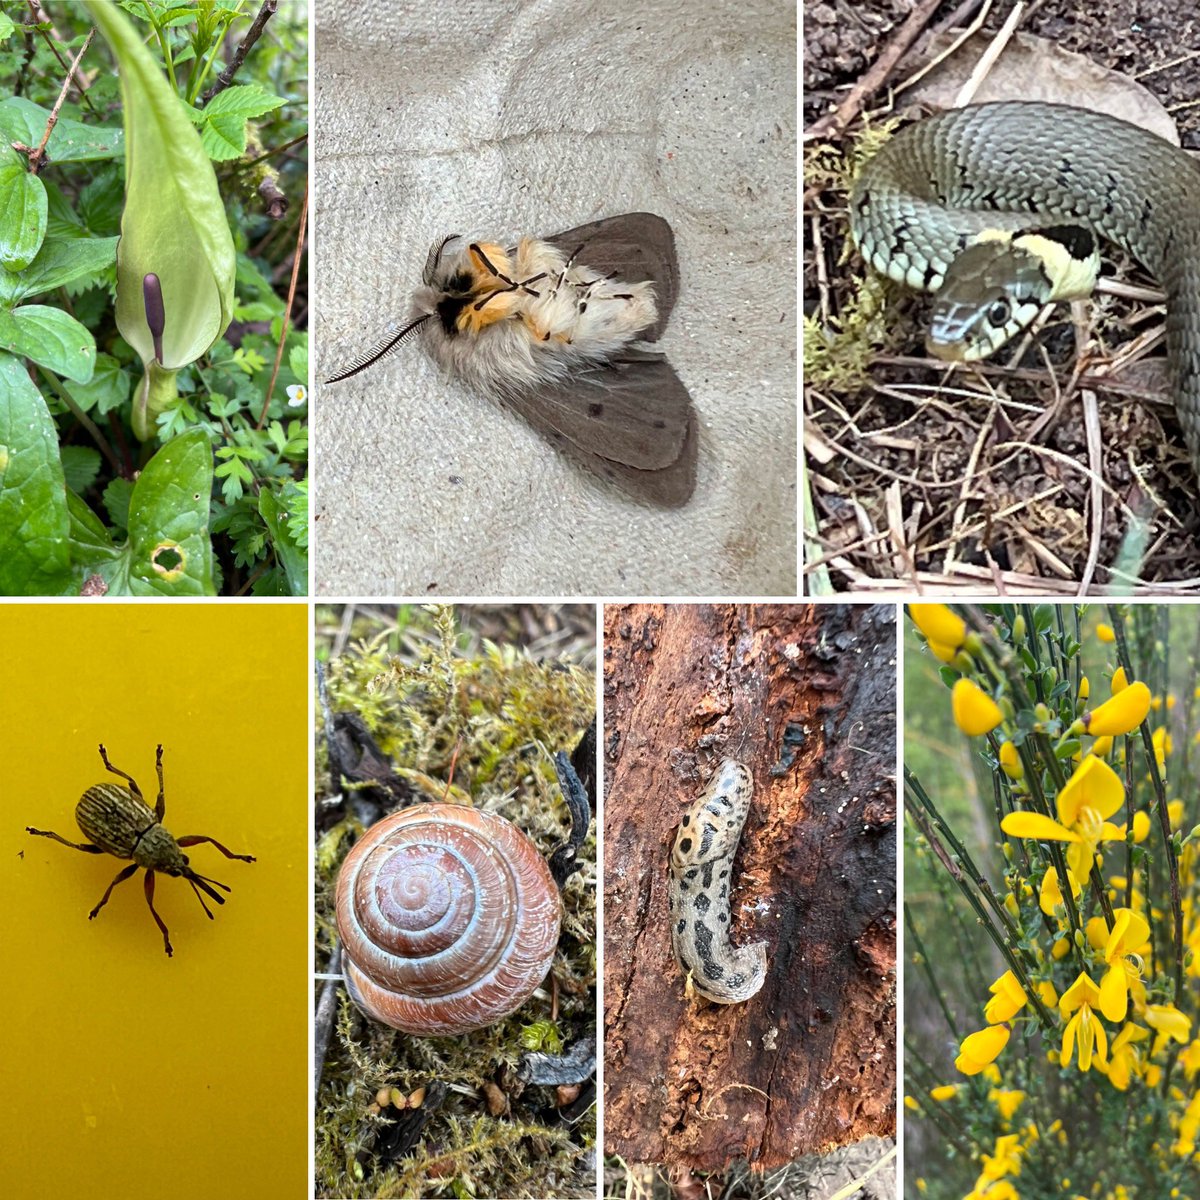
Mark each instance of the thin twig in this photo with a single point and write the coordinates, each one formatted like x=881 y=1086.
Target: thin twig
x=239 y=56
x=287 y=315
x=324 y=1018
x=881 y=68
x=37 y=156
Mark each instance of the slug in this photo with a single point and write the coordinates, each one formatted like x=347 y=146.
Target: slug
x=701 y=863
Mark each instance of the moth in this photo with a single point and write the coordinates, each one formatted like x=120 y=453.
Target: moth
x=559 y=330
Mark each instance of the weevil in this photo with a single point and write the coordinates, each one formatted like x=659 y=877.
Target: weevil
x=118 y=821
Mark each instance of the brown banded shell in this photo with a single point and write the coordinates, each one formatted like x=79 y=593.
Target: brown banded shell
x=449 y=919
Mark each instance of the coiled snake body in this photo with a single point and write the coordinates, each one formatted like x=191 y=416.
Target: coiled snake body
x=1024 y=166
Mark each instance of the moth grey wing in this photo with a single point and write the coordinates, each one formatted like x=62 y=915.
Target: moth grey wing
x=638 y=411
x=635 y=247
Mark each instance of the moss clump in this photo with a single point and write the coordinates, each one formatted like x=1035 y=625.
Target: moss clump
x=437 y=697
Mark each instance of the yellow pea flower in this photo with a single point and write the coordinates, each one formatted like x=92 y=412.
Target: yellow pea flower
x=1124 y=1060
x=1119 y=681
x=975 y=712
x=1006 y=1102
x=946 y=1092
x=1189 y=1127
x=1084 y=1029
x=1092 y=794
x=1141 y=827
x=1130 y=935
x=1105 y=633
x=981 y=1048
x=1005 y=1160
x=1085 y=688
x=1094 y=787
x=912 y=1104
x=1169 y=1023
x=1050 y=896
x=1000 y=1189
x=1010 y=761
x=1163 y=746
x=944 y=631
x=1189 y=1059
x=1102 y=746
x=1123 y=713
x=1008 y=998
x=1045 y=989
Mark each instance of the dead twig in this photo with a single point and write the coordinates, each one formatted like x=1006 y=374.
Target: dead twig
x=247 y=44
x=873 y=80
x=37 y=154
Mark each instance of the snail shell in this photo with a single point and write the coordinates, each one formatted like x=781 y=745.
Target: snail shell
x=449 y=919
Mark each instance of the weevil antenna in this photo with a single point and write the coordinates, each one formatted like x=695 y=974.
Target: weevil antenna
x=200 y=883
x=201 y=899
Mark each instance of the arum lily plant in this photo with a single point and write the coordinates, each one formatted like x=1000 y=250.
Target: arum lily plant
x=176 y=262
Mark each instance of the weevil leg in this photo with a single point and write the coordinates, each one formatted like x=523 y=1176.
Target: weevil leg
x=192 y=841
x=157 y=919
x=86 y=847
x=161 y=806
x=137 y=791
x=121 y=877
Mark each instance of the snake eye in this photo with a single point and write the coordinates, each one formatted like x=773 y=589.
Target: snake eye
x=998 y=313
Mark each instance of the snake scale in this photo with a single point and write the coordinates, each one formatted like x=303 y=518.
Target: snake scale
x=1025 y=165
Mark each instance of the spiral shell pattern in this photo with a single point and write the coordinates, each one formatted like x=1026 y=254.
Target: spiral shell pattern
x=449 y=918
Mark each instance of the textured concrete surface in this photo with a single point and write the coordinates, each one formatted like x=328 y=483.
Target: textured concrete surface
x=512 y=118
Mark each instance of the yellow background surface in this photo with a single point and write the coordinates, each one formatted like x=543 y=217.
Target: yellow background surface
x=126 y=1073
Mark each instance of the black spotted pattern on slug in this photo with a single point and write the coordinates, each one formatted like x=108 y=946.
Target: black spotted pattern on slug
x=701 y=864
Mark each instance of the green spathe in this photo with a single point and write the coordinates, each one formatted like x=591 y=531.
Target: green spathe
x=174 y=223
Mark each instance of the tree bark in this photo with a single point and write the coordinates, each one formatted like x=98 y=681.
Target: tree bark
x=805 y=696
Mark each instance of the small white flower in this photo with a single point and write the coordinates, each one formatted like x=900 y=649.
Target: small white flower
x=297 y=395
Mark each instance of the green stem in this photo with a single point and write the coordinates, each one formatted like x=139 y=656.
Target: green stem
x=1164 y=818
x=93 y=429
x=919 y=957
x=1002 y=944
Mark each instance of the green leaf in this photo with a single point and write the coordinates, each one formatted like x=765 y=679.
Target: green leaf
x=223 y=120
x=174 y=225
x=62 y=221
x=92 y=550
x=107 y=389
x=23 y=121
x=298 y=361
x=169 y=552
x=101 y=201
x=33 y=500
x=81 y=465
x=291 y=558
x=116 y=502
x=23 y=212
x=7 y=28
x=259 y=310
x=60 y=261
x=50 y=337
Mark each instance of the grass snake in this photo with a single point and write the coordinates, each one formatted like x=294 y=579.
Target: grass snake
x=941 y=183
